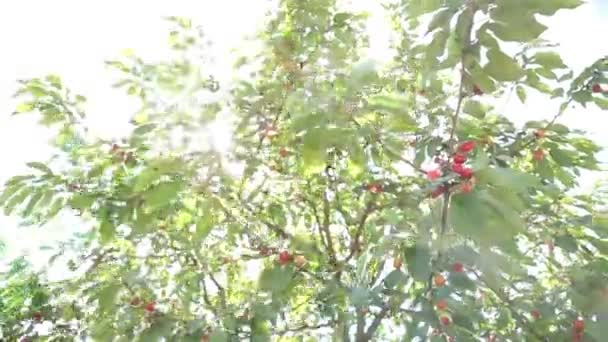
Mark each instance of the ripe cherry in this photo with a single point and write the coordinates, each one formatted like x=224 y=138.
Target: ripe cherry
x=397 y=263
x=578 y=325
x=477 y=90
x=150 y=307
x=433 y=174
x=596 y=88
x=439 y=280
x=283 y=152
x=458 y=267
x=466 y=187
x=540 y=134
x=441 y=305
x=459 y=159
x=299 y=261
x=284 y=257
x=445 y=320
x=466 y=146
x=463 y=171
x=535 y=313
x=539 y=155
x=375 y=188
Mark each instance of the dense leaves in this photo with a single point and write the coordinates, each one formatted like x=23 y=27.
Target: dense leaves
x=357 y=201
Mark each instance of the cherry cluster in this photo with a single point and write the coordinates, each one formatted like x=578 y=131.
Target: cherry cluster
x=457 y=165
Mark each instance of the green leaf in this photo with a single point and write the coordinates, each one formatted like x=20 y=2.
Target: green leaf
x=550 y=60
x=203 y=227
x=106 y=230
x=502 y=67
x=32 y=203
x=162 y=194
x=81 y=201
x=275 y=279
x=17 y=199
x=475 y=108
x=521 y=93
x=418 y=260
x=395 y=279
x=314 y=151
x=515 y=22
x=41 y=167
x=107 y=297
x=144 y=129
x=441 y=19
x=359 y=297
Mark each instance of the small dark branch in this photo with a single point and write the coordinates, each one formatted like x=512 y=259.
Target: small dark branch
x=400 y=157
x=221 y=290
x=360 y=335
x=326 y=223
x=315 y=213
x=376 y=323
x=305 y=327
x=369 y=208
x=99 y=258
x=472 y=7
x=523 y=322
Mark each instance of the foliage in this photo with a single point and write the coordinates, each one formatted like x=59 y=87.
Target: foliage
x=331 y=152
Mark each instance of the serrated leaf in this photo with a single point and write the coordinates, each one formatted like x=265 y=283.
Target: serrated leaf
x=418 y=260
x=395 y=279
x=502 y=67
x=162 y=194
x=314 y=151
x=521 y=93
x=32 y=203
x=549 y=59
x=144 y=129
x=475 y=108
x=17 y=199
x=40 y=167
x=203 y=227
x=107 y=297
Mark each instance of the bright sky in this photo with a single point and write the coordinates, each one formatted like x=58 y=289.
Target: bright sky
x=72 y=38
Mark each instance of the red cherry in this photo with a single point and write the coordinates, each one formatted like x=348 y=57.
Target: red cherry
x=466 y=187
x=463 y=171
x=459 y=159
x=150 y=307
x=441 y=305
x=539 y=155
x=439 y=280
x=596 y=88
x=283 y=152
x=438 y=191
x=375 y=188
x=539 y=134
x=445 y=320
x=284 y=257
x=535 y=313
x=37 y=316
x=433 y=174
x=477 y=90
x=577 y=337
x=466 y=146
x=458 y=267
x=578 y=325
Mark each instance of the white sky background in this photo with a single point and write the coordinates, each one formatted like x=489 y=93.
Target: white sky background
x=72 y=38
